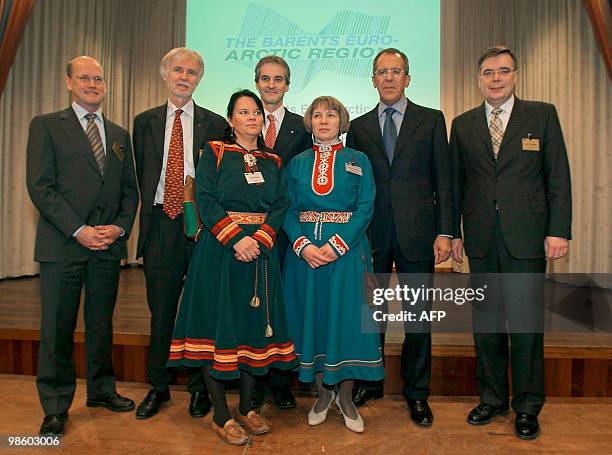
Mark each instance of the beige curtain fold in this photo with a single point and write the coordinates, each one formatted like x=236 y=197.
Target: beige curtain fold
x=128 y=38
x=559 y=62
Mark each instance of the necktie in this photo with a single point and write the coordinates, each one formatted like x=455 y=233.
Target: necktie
x=496 y=128
x=93 y=136
x=270 y=138
x=389 y=133
x=173 y=186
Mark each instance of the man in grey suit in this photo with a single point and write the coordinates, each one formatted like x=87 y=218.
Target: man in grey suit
x=284 y=132
x=168 y=140
x=80 y=176
x=513 y=194
x=412 y=225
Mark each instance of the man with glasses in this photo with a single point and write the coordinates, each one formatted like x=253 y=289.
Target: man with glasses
x=413 y=215
x=283 y=132
x=513 y=194
x=168 y=140
x=80 y=176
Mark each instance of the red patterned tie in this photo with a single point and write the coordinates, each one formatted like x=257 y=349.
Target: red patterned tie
x=173 y=187
x=270 y=138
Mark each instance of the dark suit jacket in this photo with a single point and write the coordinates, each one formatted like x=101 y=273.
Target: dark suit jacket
x=415 y=191
x=292 y=138
x=69 y=191
x=532 y=189
x=149 y=132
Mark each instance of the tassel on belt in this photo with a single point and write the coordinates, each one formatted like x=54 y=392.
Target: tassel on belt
x=318 y=218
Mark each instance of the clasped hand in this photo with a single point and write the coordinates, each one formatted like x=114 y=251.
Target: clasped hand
x=317 y=257
x=98 y=238
x=246 y=249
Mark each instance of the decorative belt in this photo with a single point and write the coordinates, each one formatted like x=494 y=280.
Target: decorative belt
x=247 y=217
x=323 y=217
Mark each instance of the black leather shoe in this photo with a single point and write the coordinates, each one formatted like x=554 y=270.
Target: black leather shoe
x=259 y=394
x=53 y=425
x=152 y=403
x=362 y=394
x=113 y=402
x=484 y=413
x=526 y=426
x=199 y=405
x=420 y=413
x=282 y=397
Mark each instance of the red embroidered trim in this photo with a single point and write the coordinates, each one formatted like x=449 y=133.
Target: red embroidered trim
x=323 y=168
x=339 y=244
x=299 y=245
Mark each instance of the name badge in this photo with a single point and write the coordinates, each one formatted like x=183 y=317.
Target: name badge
x=531 y=145
x=353 y=169
x=253 y=178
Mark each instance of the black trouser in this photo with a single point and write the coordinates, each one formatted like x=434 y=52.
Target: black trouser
x=60 y=291
x=416 y=348
x=166 y=257
x=519 y=304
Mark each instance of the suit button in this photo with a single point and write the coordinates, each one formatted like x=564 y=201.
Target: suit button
x=498 y=179
x=99 y=208
x=391 y=182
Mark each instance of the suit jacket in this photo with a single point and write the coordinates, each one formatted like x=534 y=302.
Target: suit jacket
x=69 y=191
x=149 y=133
x=292 y=138
x=531 y=189
x=415 y=192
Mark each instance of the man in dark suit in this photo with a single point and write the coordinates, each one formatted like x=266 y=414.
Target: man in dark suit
x=284 y=132
x=80 y=176
x=513 y=191
x=168 y=140
x=412 y=224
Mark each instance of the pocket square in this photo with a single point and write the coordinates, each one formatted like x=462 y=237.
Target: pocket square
x=118 y=149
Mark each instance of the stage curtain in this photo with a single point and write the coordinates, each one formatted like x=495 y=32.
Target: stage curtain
x=128 y=38
x=559 y=63
x=600 y=13
x=14 y=15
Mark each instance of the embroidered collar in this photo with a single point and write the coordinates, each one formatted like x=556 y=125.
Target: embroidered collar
x=327 y=148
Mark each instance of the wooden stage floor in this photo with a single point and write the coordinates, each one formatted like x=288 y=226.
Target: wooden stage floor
x=568 y=426
x=577 y=365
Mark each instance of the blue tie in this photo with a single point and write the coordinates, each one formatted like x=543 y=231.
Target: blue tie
x=389 y=133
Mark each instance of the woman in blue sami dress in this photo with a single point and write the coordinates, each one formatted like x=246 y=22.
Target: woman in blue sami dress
x=231 y=320
x=332 y=192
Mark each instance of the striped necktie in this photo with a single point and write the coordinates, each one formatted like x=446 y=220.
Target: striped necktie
x=93 y=136
x=496 y=129
x=270 y=138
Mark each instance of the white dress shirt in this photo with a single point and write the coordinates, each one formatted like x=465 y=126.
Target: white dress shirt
x=279 y=115
x=504 y=114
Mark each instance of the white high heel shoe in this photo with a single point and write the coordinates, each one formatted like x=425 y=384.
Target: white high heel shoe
x=315 y=418
x=356 y=424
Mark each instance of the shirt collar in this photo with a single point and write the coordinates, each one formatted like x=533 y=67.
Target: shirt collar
x=279 y=114
x=187 y=109
x=505 y=108
x=81 y=112
x=400 y=106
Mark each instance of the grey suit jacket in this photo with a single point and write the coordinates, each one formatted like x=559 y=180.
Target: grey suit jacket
x=68 y=189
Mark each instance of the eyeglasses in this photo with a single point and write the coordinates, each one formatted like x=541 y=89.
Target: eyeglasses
x=87 y=79
x=490 y=74
x=384 y=72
